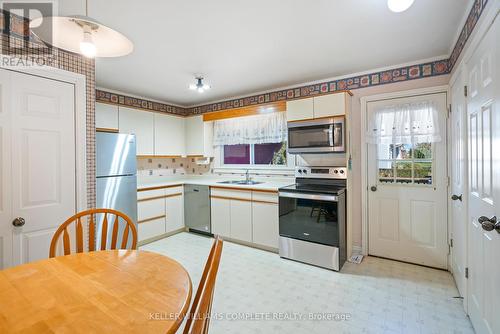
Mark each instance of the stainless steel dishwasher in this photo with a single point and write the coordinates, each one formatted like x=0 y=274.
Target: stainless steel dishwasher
x=197 y=208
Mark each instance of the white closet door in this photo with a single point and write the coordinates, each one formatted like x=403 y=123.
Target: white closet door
x=43 y=162
x=458 y=164
x=483 y=109
x=5 y=172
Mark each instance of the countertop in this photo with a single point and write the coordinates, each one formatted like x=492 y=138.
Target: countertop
x=268 y=183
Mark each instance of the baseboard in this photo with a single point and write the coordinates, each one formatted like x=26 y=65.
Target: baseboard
x=356 y=250
x=251 y=244
x=161 y=236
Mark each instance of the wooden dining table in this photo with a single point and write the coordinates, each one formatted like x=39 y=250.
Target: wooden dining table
x=115 y=291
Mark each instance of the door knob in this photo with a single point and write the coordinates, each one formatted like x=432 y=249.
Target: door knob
x=489 y=224
x=455 y=198
x=373 y=188
x=18 y=222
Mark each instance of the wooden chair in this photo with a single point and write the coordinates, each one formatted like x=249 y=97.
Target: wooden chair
x=199 y=316
x=91 y=216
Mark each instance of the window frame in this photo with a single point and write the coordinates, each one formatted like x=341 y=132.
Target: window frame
x=219 y=162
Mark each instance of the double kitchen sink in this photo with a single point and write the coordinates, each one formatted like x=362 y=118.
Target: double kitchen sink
x=243 y=182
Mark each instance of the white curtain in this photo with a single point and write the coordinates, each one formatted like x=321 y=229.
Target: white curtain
x=259 y=129
x=409 y=123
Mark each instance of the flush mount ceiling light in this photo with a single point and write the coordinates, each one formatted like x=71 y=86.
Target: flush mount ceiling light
x=399 y=6
x=199 y=86
x=82 y=34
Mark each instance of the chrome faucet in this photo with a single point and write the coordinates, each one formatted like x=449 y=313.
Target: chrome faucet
x=247 y=176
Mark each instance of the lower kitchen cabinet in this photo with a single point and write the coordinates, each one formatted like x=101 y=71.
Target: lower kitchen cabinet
x=241 y=220
x=159 y=211
x=250 y=216
x=265 y=224
x=221 y=216
x=150 y=214
x=174 y=205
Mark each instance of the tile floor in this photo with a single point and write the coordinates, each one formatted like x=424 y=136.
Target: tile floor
x=377 y=296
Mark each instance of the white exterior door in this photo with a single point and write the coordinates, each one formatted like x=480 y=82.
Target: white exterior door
x=458 y=164
x=38 y=139
x=483 y=110
x=407 y=191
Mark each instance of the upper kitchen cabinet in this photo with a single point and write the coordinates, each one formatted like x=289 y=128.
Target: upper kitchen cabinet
x=299 y=109
x=194 y=136
x=199 y=136
x=106 y=117
x=140 y=123
x=318 y=107
x=169 y=135
x=330 y=105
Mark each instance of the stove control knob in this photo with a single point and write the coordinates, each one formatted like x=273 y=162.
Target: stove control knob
x=300 y=171
x=335 y=171
x=304 y=171
x=341 y=171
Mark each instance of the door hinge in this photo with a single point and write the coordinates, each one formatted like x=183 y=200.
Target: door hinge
x=451 y=243
x=466 y=91
x=467 y=272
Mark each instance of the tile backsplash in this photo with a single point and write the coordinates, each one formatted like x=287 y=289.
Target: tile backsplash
x=171 y=167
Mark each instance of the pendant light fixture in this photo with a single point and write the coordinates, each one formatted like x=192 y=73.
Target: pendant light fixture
x=82 y=34
x=399 y=6
x=199 y=86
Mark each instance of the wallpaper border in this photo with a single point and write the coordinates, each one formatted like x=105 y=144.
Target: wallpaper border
x=398 y=74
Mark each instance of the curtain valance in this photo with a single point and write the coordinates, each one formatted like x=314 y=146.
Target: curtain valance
x=409 y=123
x=258 y=129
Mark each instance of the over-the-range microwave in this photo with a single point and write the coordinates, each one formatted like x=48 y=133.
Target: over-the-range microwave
x=322 y=135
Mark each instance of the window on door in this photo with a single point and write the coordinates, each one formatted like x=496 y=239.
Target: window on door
x=405 y=163
x=270 y=154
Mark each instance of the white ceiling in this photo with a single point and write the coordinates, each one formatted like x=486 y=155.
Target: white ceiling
x=246 y=46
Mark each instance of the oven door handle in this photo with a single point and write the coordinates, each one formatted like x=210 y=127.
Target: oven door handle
x=326 y=198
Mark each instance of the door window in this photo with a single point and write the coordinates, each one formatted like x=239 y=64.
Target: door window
x=405 y=163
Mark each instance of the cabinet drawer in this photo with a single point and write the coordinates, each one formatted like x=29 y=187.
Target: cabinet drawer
x=150 y=194
x=231 y=193
x=259 y=196
x=151 y=209
x=174 y=190
x=151 y=229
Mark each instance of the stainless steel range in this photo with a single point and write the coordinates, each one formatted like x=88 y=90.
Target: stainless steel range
x=312 y=224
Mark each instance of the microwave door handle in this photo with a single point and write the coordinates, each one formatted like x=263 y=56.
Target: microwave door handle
x=330 y=135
